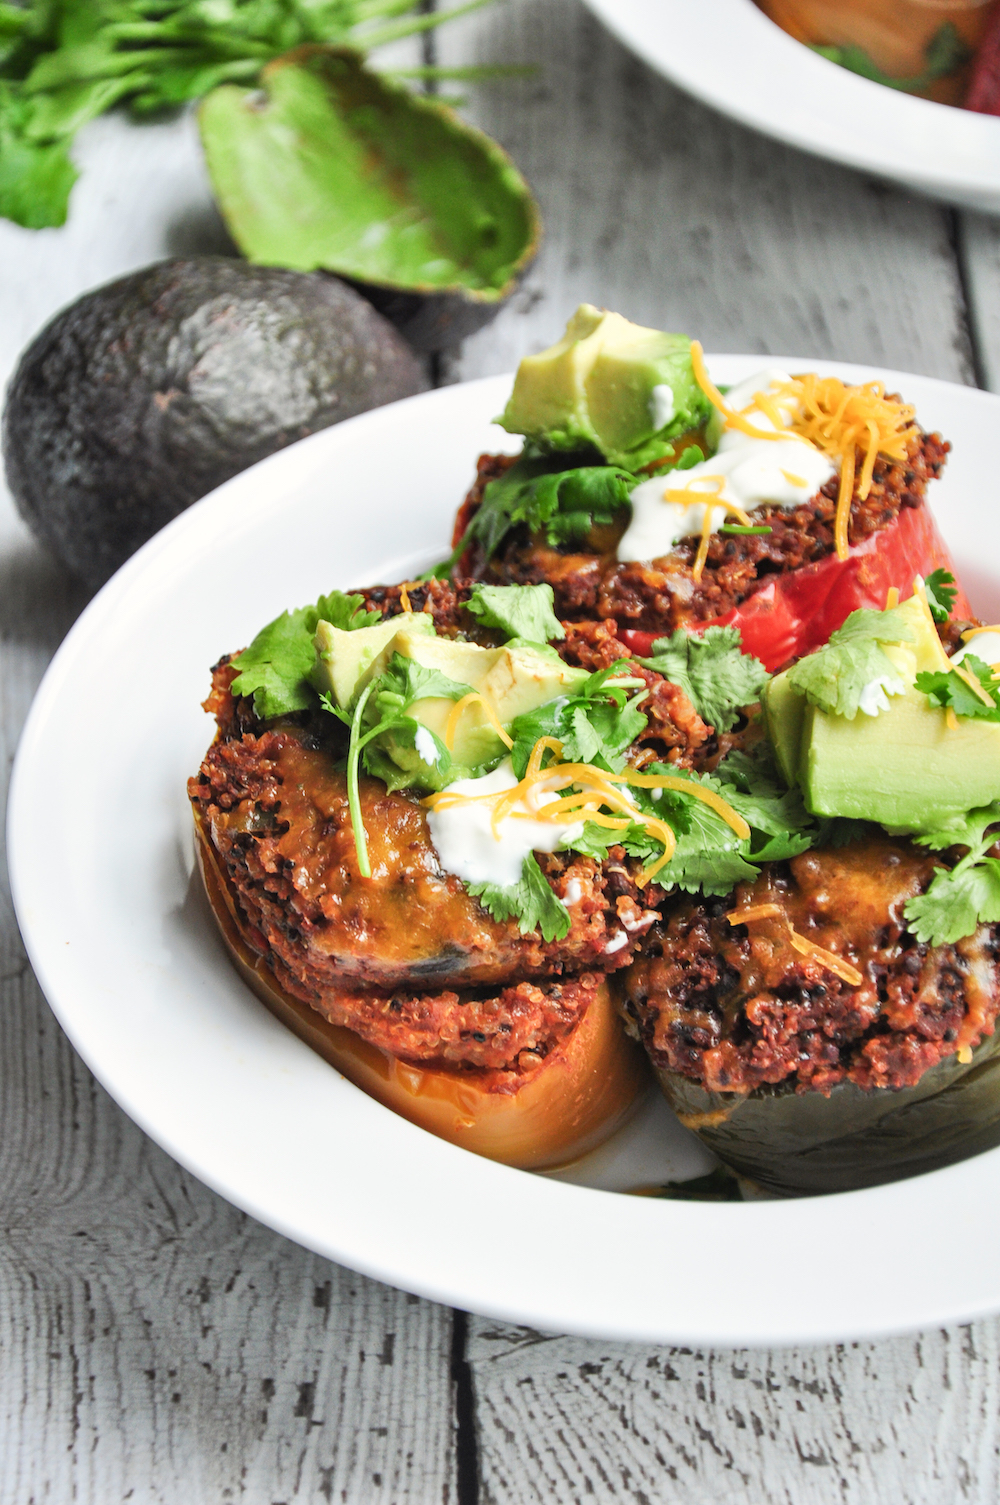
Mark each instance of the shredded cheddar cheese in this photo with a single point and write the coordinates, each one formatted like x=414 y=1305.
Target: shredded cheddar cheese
x=754 y=912
x=840 y=420
x=733 y=418
x=829 y=416
x=799 y=943
x=827 y=959
x=563 y=792
x=404 y=597
x=711 y=499
x=473 y=698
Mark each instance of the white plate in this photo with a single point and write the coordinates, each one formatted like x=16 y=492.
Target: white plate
x=730 y=55
x=101 y=858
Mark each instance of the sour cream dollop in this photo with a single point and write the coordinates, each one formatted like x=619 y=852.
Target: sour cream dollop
x=781 y=472
x=875 y=695
x=463 y=833
x=982 y=645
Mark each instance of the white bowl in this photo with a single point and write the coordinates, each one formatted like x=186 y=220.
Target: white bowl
x=728 y=54
x=123 y=944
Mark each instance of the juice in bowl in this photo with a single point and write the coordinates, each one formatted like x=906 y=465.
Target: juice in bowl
x=922 y=47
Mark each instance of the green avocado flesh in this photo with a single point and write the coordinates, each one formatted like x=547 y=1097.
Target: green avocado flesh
x=331 y=166
x=904 y=768
x=805 y=1143
x=609 y=383
x=345 y=657
x=513 y=680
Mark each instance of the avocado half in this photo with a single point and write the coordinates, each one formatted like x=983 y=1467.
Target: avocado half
x=148 y=393
x=330 y=166
x=804 y=1143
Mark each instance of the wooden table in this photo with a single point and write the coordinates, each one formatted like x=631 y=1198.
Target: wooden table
x=158 y=1346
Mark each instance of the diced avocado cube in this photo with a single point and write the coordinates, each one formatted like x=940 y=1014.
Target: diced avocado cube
x=525 y=678
x=622 y=388
x=512 y=680
x=905 y=768
x=344 y=657
x=784 y=713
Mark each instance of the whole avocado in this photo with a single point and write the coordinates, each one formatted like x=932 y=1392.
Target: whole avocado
x=149 y=392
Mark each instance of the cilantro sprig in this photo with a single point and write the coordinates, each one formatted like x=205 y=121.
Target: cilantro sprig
x=63 y=62
x=531 y=902
x=713 y=671
x=941 y=591
x=596 y=725
x=520 y=611
x=948 y=690
x=709 y=857
x=391 y=694
x=835 y=677
x=961 y=898
x=275 y=667
x=540 y=492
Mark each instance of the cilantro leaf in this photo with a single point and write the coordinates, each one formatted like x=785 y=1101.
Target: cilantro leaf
x=716 y=675
x=595 y=841
x=345 y=612
x=541 y=493
x=530 y=901
x=405 y=681
x=409 y=753
x=521 y=611
x=35 y=176
x=949 y=689
x=597 y=725
x=940 y=590
x=709 y=856
x=835 y=677
x=956 y=902
x=398 y=748
x=967 y=895
x=964 y=831
x=840 y=831
x=752 y=770
x=274 y=667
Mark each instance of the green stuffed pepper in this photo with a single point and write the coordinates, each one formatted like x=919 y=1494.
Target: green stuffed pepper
x=830 y=1024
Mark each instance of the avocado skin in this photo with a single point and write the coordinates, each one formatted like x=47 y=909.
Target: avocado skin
x=434 y=321
x=805 y=1144
x=148 y=393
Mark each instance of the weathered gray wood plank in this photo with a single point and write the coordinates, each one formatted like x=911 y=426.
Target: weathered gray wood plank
x=907 y=1421
x=156 y=1344
x=979 y=244
x=658 y=208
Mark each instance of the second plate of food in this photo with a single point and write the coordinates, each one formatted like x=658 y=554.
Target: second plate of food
x=734 y=58
x=128 y=954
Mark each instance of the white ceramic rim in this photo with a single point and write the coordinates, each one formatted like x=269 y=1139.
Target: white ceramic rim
x=145 y=994
x=728 y=54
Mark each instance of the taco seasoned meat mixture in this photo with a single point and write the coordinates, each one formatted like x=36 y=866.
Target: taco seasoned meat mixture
x=410 y=961
x=736 y=1004
x=660 y=595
